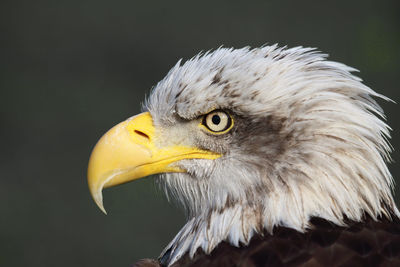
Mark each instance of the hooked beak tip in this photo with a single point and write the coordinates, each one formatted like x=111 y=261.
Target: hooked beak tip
x=98 y=199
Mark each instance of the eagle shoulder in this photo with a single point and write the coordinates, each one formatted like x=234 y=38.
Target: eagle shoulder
x=367 y=243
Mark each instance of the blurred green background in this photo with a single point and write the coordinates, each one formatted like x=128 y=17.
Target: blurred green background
x=70 y=70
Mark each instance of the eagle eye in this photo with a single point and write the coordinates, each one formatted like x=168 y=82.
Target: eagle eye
x=217 y=122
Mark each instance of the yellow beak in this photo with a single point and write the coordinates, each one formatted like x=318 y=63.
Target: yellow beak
x=128 y=152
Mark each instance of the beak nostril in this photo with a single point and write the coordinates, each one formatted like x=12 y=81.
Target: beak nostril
x=142 y=134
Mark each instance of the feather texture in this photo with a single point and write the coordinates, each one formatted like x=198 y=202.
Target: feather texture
x=308 y=141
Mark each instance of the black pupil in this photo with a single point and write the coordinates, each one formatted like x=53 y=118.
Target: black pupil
x=216 y=119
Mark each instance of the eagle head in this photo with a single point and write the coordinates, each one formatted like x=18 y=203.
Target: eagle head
x=250 y=139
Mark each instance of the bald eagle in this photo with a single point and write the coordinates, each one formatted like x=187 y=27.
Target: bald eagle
x=277 y=155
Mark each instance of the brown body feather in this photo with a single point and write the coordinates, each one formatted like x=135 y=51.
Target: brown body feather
x=368 y=243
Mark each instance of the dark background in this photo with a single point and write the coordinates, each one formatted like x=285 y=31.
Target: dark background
x=70 y=70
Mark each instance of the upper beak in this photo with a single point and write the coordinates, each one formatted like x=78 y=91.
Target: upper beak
x=128 y=152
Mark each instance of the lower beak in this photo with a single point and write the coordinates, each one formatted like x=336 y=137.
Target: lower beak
x=128 y=152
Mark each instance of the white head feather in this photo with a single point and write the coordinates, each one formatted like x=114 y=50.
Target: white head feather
x=309 y=141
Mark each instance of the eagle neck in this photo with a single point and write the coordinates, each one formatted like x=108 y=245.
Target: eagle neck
x=235 y=225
